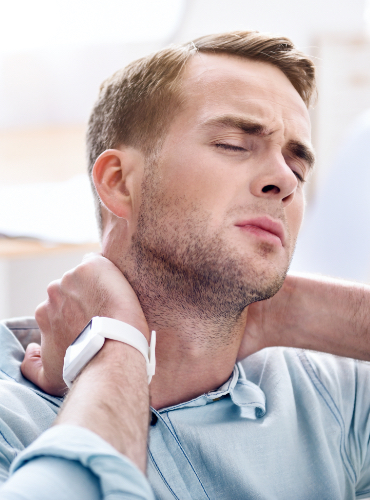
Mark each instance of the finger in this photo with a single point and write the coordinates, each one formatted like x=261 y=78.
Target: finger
x=53 y=291
x=42 y=317
x=32 y=369
x=90 y=256
x=52 y=303
x=32 y=365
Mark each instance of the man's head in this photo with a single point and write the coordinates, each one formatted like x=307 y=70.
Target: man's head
x=205 y=181
x=136 y=104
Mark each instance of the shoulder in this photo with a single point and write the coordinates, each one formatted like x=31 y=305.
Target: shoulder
x=326 y=378
x=330 y=387
x=25 y=411
x=332 y=370
x=11 y=357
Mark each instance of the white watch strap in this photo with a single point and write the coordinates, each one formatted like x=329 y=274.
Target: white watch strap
x=123 y=332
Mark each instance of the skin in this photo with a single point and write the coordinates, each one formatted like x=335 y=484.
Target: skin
x=225 y=175
x=111 y=396
x=229 y=176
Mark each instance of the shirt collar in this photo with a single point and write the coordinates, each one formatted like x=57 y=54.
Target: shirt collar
x=248 y=396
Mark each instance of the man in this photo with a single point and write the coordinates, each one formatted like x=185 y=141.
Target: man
x=198 y=156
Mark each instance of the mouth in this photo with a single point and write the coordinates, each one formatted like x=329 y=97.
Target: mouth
x=264 y=228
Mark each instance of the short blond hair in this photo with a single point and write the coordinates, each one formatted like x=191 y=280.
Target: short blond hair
x=135 y=105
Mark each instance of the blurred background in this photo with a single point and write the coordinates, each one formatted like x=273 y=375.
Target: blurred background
x=54 y=55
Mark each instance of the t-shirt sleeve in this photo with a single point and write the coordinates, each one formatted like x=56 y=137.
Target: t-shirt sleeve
x=347 y=395
x=73 y=462
x=359 y=429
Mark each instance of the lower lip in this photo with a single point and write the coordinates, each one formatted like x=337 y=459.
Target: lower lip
x=262 y=234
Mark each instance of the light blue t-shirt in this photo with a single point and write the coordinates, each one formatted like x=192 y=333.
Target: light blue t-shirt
x=289 y=424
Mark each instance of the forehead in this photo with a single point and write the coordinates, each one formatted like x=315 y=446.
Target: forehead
x=221 y=84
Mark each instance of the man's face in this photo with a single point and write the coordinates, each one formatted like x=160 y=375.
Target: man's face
x=223 y=204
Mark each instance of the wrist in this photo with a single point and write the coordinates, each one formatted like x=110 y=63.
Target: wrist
x=115 y=359
x=111 y=398
x=92 y=339
x=287 y=314
x=136 y=320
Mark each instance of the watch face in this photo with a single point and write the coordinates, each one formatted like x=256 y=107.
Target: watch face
x=81 y=351
x=83 y=334
x=80 y=342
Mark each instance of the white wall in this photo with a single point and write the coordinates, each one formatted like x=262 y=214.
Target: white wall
x=23 y=280
x=54 y=85
x=301 y=20
x=57 y=84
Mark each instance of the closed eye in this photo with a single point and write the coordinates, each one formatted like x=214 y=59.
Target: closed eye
x=230 y=147
x=299 y=177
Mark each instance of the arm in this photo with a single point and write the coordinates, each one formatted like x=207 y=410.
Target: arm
x=102 y=428
x=117 y=409
x=312 y=312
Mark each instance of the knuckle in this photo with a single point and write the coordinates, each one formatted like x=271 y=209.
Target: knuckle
x=76 y=274
x=86 y=268
x=41 y=314
x=53 y=289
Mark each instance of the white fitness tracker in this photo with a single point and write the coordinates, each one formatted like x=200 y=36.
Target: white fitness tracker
x=92 y=339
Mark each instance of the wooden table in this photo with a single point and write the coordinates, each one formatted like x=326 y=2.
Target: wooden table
x=15 y=248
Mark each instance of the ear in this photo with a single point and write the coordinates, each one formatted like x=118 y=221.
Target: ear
x=117 y=177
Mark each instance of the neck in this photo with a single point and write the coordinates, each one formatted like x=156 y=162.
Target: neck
x=199 y=328
x=194 y=354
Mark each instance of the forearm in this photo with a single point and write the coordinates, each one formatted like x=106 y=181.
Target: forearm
x=101 y=431
x=73 y=462
x=326 y=315
x=111 y=398
x=47 y=477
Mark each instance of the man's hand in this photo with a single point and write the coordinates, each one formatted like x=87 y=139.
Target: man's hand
x=312 y=312
x=269 y=322
x=94 y=288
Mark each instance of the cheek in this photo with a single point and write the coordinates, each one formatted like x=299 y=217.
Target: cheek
x=294 y=215
x=197 y=179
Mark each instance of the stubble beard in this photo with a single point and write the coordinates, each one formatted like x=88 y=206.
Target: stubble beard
x=182 y=272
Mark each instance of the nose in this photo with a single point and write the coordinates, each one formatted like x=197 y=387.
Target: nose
x=275 y=180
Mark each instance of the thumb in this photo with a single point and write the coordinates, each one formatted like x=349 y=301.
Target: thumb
x=33 y=370
x=31 y=366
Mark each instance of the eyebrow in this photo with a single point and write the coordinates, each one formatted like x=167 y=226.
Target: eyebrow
x=297 y=149
x=300 y=150
x=250 y=127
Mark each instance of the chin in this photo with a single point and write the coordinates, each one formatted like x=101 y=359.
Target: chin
x=263 y=277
